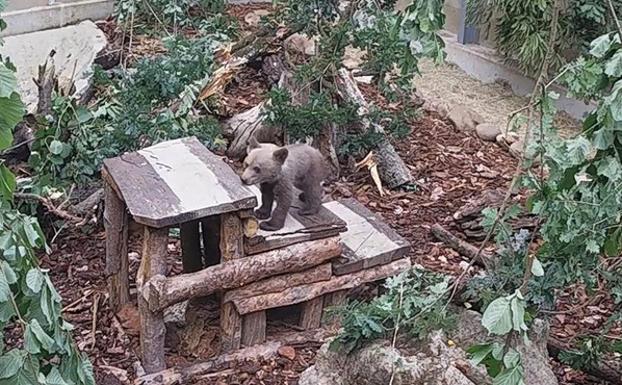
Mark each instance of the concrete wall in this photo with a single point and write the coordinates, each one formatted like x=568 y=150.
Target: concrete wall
x=23 y=16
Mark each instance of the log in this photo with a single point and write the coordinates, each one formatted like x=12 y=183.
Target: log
x=280 y=283
x=116 y=223
x=311 y=313
x=393 y=171
x=231 y=249
x=310 y=291
x=254 y=328
x=486 y=259
x=162 y=292
x=152 y=329
x=332 y=300
x=89 y=204
x=184 y=375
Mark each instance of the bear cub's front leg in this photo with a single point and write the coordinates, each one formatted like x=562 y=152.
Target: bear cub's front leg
x=267 y=199
x=283 y=195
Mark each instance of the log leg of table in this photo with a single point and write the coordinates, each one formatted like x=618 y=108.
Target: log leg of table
x=311 y=313
x=254 y=328
x=116 y=223
x=231 y=247
x=337 y=298
x=190 y=246
x=152 y=329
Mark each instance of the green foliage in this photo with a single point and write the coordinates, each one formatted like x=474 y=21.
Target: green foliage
x=522 y=28
x=135 y=110
x=28 y=300
x=206 y=15
x=414 y=301
x=504 y=365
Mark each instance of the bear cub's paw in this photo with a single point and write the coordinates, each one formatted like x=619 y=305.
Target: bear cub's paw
x=270 y=226
x=262 y=214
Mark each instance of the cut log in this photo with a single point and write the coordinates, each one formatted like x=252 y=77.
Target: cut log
x=152 y=329
x=310 y=291
x=280 y=282
x=231 y=249
x=264 y=351
x=116 y=222
x=486 y=259
x=250 y=123
x=162 y=292
x=393 y=170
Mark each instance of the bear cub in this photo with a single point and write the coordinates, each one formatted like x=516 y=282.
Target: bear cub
x=277 y=170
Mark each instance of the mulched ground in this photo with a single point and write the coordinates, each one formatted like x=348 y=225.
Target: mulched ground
x=450 y=168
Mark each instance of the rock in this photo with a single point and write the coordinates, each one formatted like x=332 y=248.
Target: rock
x=76 y=48
x=535 y=358
x=287 y=352
x=253 y=18
x=464 y=118
x=437 y=106
x=516 y=148
x=353 y=58
x=301 y=43
x=487 y=131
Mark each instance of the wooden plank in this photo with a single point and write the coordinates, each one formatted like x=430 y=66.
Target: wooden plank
x=331 y=300
x=191 y=247
x=311 y=313
x=368 y=241
x=152 y=329
x=280 y=282
x=254 y=328
x=298 y=228
x=231 y=248
x=116 y=223
x=302 y=293
x=177 y=181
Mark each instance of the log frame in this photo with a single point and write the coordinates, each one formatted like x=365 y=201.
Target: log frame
x=254 y=328
x=311 y=313
x=116 y=223
x=152 y=328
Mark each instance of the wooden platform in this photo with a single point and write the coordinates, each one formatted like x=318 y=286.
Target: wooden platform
x=175 y=182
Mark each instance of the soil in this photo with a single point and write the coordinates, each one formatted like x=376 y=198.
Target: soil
x=451 y=167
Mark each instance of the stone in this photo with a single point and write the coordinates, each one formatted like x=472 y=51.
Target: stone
x=301 y=43
x=287 y=352
x=76 y=47
x=487 y=131
x=353 y=57
x=254 y=18
x=516 y=148
x=464 y=118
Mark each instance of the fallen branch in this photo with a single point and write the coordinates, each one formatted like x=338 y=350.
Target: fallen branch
x=486 y=259
x=224 y=362
x=52 y=209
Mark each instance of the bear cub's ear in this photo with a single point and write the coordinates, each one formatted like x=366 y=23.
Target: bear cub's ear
x=252 y=144
x=280 y=155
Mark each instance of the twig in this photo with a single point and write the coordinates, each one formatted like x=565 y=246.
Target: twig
x=86 y=294
x=51 y=208
x=612 y=9
x=94 y=322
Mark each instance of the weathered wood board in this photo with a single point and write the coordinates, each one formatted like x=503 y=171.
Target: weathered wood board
x=298 y=228
x=175 y=182
x=368 y=241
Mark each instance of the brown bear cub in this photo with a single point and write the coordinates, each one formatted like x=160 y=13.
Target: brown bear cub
x=277 y=170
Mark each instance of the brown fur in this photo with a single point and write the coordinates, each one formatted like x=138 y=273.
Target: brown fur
x=277 y=170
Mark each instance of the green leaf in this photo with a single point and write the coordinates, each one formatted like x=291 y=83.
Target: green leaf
x=592 y=246
x=497 y=318
x=12 y=112
x=536 y=268
x=478 y=353
x=55 y=378
x=511 y=358
x=513 y=376
x=31 y=343
x=610 y=167
x=56 y=147
x=46 y=341
x=34 y=279
x=5 y=290
x=613 y=67
x=9 y=273
x=7 y=183
x=8 y=81
x=11 y=363
x=518 y=313
x=600 y=46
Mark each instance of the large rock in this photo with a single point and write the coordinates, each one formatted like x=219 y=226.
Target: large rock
x=464 y=118
x=432 y=364
x=76 y=47
x=535 y=358
x=488 y=131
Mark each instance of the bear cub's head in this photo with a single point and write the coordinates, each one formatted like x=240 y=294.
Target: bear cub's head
x=263 y=162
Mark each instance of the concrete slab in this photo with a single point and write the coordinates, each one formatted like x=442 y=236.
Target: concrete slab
x=76 y=47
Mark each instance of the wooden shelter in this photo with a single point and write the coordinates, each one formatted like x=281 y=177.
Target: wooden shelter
x=312 y=261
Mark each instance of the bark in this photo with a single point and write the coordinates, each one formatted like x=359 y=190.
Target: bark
x=393 y=171
x=162 y=292
x=116 y=223
x=486 y=259
x=254 y=328
x=311 y=291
